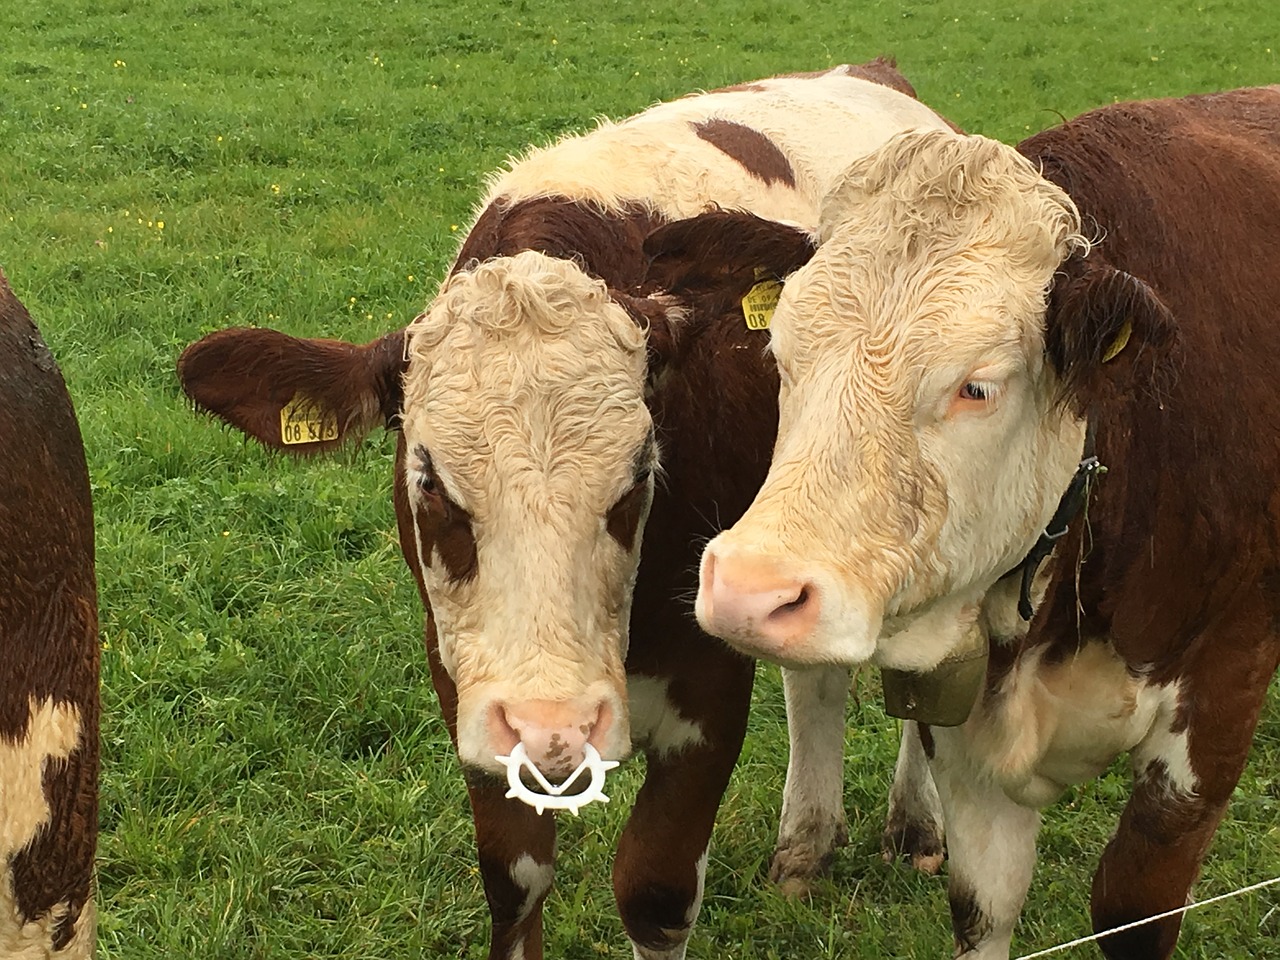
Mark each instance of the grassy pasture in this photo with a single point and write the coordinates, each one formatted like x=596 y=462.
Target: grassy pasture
x=277 y=782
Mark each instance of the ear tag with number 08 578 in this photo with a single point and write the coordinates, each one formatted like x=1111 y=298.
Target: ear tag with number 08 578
x=302 y=421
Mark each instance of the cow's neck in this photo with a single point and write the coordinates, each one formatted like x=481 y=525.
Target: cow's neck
x=606 y=242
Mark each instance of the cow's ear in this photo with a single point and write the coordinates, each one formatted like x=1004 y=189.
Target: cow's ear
x=303 y=396
x=662 y=318
x=1106 y=330
x=722 y=253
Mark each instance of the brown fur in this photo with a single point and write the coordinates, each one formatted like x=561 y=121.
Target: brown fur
x=1179 y=565
x=604 y=243
x=48 y=609
x=446 y=527
x=758 y=155
x=272 y=368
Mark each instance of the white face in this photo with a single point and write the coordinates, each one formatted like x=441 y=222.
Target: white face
x=920 y=449
x=529 y=468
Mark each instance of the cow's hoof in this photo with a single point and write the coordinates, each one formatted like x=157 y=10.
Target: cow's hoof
x=920 y=844
x=796 y=888
x=798 y=862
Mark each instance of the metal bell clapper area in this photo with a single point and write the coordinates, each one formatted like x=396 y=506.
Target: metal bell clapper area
x=554 y=798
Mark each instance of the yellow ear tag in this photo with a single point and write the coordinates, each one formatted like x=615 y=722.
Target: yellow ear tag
x=761 y=300
x=1120 y=342
x=302 y=421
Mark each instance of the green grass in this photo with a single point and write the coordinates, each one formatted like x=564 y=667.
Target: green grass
x=277 y=782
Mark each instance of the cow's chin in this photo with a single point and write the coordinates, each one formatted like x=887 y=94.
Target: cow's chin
x=850 y=632
x=923 y=638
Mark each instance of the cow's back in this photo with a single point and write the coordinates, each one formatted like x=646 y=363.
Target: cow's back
x=1186 y=196
x=772 y=147
x=48 y=654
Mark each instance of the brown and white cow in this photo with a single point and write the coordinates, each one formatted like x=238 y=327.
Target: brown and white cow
x=978 y=321
x=552 y=379
x=48 y=656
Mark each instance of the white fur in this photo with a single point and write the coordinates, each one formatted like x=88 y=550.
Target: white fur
x=1054 y=725
x=1162 y=752
x=913 y=798
x=819 y=124
x=526 y=385
x=900 y=506
x=53 y=733
x=991 y=840
x=813 y=798
x=534 y=879
x=1048 y=727
x=655 y=722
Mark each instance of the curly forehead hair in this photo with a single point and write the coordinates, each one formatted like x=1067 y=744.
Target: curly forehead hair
x=953 y=185
x=529 y=294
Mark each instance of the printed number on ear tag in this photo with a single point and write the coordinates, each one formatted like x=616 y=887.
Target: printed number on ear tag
x=554 y=798
x=302 y=421
x=761 y=300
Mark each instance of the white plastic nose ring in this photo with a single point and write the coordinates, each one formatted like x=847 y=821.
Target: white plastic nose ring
x=554 y=798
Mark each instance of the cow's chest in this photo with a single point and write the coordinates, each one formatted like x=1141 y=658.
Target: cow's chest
x=657 y=724
x=1051 y=725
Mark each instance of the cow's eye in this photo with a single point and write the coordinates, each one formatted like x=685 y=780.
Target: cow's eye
x=428 y=483
x=623 y=518
x=426 y=474
x=974 y=390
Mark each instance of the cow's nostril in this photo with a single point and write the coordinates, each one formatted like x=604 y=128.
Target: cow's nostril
x=793 y=606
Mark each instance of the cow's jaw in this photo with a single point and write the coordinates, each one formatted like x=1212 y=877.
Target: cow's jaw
x=528 y=472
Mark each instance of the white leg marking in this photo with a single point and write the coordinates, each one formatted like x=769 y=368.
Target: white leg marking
x=655 y=722
x=53 y=732
x=915 y=812
x=1162 y=752
x=691 y=915
x=991 y=842
x=34 y=940
x=534 y=879
x=813 y=800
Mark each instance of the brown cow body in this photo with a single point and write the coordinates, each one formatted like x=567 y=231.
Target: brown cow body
x=48 y=656
x=980 y=321
x=1179 y=563
x=476 y=496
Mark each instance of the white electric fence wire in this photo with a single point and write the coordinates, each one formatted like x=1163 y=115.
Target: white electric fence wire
x=1159 y=916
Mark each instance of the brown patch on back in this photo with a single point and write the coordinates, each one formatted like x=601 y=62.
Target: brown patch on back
x=758 y=155
x=48 y=609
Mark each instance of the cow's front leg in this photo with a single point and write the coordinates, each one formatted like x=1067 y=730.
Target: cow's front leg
x=661 y=861
x=991 y=849
x=913 y=830
x=813 y=821
x=1185 y=771
x=516 y=846
x=517 y=855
